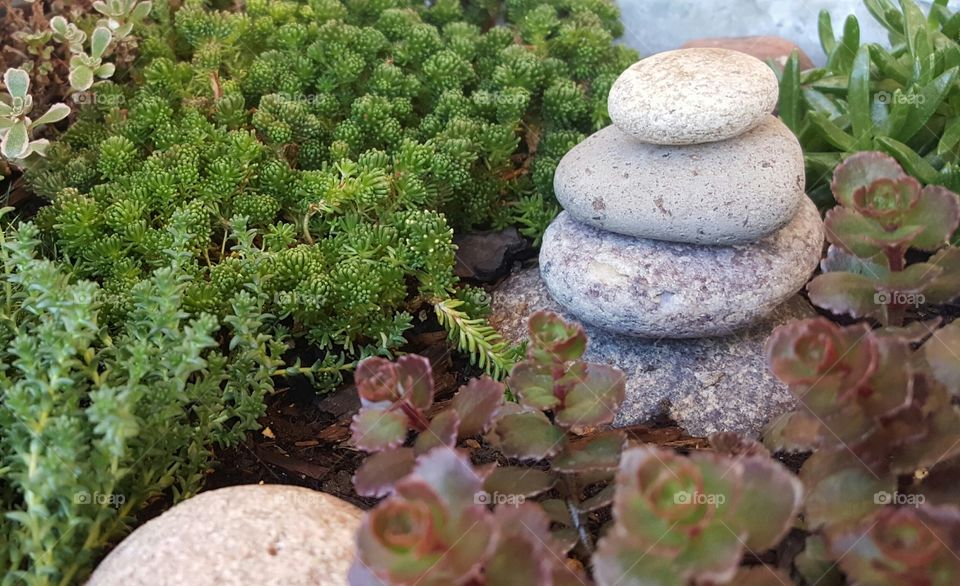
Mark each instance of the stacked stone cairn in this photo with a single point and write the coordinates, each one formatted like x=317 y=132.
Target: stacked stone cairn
x=686 y=218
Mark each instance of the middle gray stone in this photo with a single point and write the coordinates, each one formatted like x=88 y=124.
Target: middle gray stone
x=729 y=192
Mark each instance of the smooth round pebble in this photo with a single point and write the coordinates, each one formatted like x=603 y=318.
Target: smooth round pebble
x=693 y=96
x=652 y=288
x=729 y=192
x=236 y=536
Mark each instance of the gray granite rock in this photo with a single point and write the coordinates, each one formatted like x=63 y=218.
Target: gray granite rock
x=692 y=96
x=652 y=288
x=729 y=192
x=236 y=536
x=706 y=385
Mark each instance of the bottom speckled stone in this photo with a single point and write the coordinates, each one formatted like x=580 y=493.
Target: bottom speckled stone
x=653 y=288
x=706 y=385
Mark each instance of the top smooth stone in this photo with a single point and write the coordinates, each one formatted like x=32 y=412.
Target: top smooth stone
x=693 y=96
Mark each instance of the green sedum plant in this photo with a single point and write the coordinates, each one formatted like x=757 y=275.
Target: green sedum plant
x=882 y=214
x=900 y=99
x=884 y=425
x=341 y=143
x=445 y=521
x=98 y=423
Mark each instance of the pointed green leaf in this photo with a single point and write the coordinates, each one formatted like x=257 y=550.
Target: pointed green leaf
x=825 y=28
x=832 y=133
x=859 y=98
x=913 y=163
x=791 y=94
x=925 y=104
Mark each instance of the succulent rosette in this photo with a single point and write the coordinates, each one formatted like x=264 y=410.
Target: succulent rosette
x=431 y=531
x=902 y=545
x=883 y=213
x=690 y=519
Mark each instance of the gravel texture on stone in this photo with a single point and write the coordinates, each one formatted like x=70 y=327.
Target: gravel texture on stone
x=651 y=288
x=693 y=96
x=729 y=192
x=237 y=536
x=707 y=385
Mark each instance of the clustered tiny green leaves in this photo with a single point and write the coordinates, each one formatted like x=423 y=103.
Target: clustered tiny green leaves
x=99 y=421
x=677 y=520
x=883 y=214
x=341 y=143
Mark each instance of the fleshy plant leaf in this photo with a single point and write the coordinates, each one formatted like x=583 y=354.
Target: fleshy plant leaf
x=430 y=531
x=901 y=545
x=594 y=399
x=595 y=452
x=441 y=432
x=55 y=113
x=552 y=339
x=860 y=170
x=476 y=403
x=382 y=470
x=378 y=429
x=528 y=435
x=514 y=480
x=15 y=142
x=99 y=41
x=942 y=352
x=17 y=82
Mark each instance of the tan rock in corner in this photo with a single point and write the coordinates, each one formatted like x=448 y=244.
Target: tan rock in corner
x=239 y=536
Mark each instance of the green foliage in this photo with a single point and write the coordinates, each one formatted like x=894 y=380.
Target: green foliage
x=677 y=520
x=884 y=423
x=98 y=423
x=901 y=100
x=884 y=213
x=324 y=152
